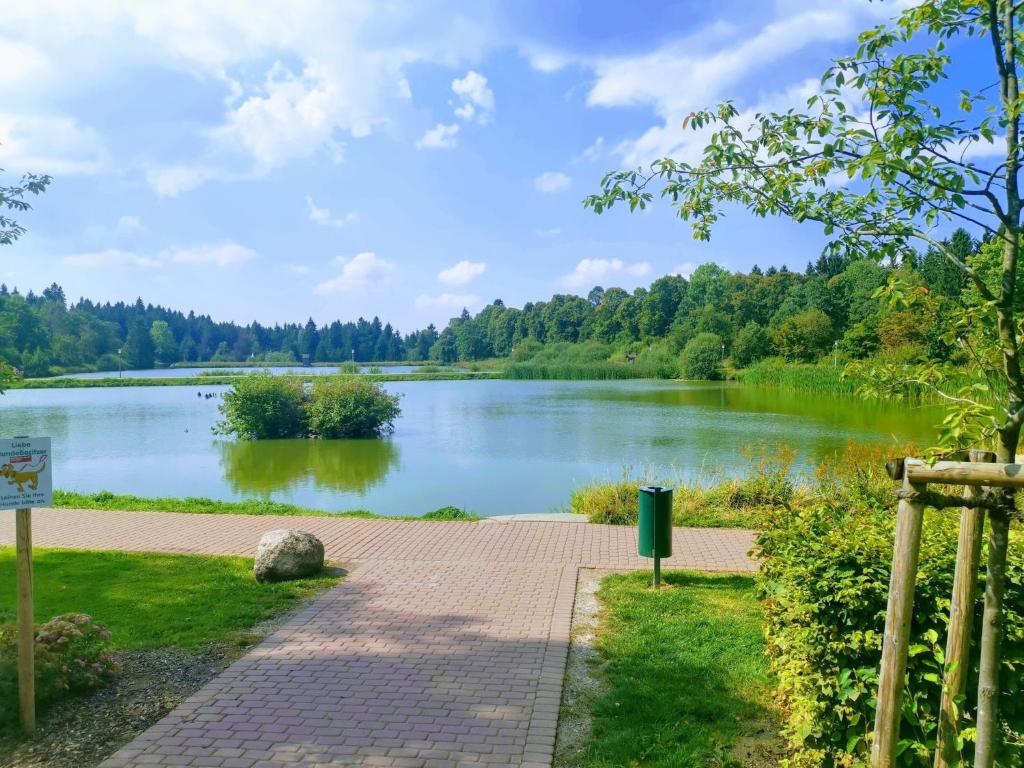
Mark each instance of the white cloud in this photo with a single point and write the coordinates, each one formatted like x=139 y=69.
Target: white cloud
x=111 y=257
x=221 y=254
x=462 y=273
x=363 y=271
x=594 y=150
x=173 y=180
x=715 y=62
x=684 y=270
x=128 y=225
x=295 y=83
x=476 y=98
x=545 y=60
x=590 y=272
x=552 y=181
x=54 y=144
x=323 y=216
x=551 y=232
x=441 y=136
x=454 y=301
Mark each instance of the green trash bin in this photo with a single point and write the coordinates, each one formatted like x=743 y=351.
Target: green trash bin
x=655 y=534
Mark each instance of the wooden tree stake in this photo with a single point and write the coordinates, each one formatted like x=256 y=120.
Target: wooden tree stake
x=900 y=611
x=961 y=620
x=991 y=637
x=26 y=622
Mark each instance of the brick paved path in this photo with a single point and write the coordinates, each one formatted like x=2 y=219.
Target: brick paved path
x=446 y=645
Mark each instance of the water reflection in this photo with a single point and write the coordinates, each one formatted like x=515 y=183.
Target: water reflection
x=265 y=466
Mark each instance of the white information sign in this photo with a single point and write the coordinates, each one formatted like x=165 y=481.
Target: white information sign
x=26 y=478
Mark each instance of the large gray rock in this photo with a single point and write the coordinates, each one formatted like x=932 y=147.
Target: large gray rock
x=286 y=554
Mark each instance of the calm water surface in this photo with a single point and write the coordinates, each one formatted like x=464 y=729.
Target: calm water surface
x=170 y=373
x=494 y=447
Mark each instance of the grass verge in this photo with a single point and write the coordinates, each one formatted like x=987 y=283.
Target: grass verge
x=152 y=600
x=685 y=678
x=203 y=506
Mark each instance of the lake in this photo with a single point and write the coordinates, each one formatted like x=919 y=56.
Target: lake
x=170 y=373
x=494 y=447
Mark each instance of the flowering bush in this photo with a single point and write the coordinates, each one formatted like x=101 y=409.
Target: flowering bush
x=70 y=655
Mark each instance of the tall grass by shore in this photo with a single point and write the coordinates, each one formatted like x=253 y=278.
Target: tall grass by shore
x=831 y=379
x=826 y=379
x=597 y=371
x=717 y=502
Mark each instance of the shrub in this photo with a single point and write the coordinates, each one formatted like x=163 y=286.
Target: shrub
x=702 y=356
x=824 y=579
x=70 y=655
x=348 y=367
x=351 y=407
x=262 y=406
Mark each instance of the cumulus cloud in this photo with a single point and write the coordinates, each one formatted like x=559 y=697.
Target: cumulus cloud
x=685 y=269
x=128 y=225
x=441 y=136
x=453 y=301
x=714 y=62
x=462 y=272
x=476 y=98
x=594 y=150
x=220 y=254
x=54 y=144
x=173 y=180
x=111 y=257
x=361 y=272
x=294 y=84
x=589 y=272
x=550 y=182
x=323 y=216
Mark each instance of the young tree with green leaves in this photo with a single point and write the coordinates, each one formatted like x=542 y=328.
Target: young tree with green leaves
x=879 y=160
x=12 y=198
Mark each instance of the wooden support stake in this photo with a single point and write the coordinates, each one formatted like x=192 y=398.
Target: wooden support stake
x=961 y=620
x=906 y=549
x=26 y=622
x=991 y=637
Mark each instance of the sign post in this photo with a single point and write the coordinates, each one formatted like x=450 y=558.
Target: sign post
x=26 y=481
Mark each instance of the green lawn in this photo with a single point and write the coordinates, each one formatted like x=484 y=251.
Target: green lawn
x=154 y=601
x=685 y=673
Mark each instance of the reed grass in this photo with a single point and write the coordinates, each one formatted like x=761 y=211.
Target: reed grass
x=606 y=371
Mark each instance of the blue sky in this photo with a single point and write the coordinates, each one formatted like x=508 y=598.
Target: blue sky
x=281 y=160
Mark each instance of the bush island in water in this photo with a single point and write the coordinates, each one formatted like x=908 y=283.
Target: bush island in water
x=267 y=407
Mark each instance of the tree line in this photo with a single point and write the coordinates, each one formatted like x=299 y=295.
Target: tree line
x=41 y=334
x=829 y=309
x=833 y=308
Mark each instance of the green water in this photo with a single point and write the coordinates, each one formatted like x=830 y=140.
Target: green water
x=493 y=447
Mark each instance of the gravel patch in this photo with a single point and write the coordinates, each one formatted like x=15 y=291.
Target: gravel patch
x=581 y=686
x=83 y=731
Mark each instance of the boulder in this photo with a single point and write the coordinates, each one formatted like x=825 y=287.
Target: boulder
x=286 y=554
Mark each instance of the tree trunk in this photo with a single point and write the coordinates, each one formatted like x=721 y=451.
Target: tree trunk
x=992 y=624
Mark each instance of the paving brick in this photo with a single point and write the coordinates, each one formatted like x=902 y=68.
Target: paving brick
x=445 y=646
